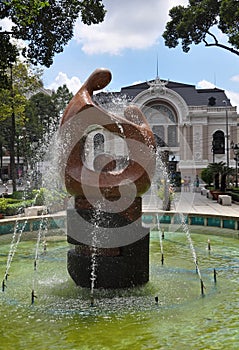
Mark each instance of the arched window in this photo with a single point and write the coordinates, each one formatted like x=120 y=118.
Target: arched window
x=164 y=123
x=158 y=132
x=172 y=136
x=218 y=143
x=99 y=141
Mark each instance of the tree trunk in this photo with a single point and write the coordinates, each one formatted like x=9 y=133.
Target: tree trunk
x=12 y=154
x=223 y=182
x=12 y=141
x=216 y=182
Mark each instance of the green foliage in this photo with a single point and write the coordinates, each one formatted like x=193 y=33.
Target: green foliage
x=164 y=191
x=23 y=80
x=53 y=196
x=48 y=25
x=13 y=101
x=54 y=200
x=18 y=10
x=217 y=171
x=9 y=206
x=41 y=116
x=207 y=176
x=193 y=24
x=61 y=98
x=9 y=54
x=234 y=195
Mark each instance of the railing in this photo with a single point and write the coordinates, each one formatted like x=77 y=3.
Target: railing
x=149 y=218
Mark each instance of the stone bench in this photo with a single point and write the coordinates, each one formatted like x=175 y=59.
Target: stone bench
x=224 y=199
x=35 y=211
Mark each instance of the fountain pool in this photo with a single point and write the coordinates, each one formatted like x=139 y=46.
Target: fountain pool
x=61 y=316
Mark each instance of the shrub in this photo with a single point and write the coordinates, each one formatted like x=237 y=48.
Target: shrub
x=11 y=206
x=54 y=199
x=234 y=195
x=207 y=176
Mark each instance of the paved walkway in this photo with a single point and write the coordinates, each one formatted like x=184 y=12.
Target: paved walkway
x=191 y=202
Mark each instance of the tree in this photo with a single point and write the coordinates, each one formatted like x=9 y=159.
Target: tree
x=207 y=176
x=21 y=80
x=216 y=169
x=61 y=98
x=42 y=118
x=194 y=24
x=226 y=171
x=9 y=54
x=220 y=173
x=47 y=25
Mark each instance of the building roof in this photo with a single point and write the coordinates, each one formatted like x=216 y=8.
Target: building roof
x=193 y=97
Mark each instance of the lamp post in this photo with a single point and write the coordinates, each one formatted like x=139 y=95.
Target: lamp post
x=235 y=148
x=213 y=151
x=227 y=136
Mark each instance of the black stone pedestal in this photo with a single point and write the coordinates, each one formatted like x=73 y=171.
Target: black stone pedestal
x=130 y=268
x=121 y=252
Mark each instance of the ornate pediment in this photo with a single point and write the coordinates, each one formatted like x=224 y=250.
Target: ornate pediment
x=157 y=86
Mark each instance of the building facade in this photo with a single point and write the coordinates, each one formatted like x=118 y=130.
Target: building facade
x=194 y=127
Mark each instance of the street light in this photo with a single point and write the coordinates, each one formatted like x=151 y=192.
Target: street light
x=235 y=148
x=213 y=151
x=227 y=136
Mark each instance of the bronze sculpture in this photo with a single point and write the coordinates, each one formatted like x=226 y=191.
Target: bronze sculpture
x=107 y=198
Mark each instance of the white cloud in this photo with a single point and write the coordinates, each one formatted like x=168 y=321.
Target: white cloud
x=137 y=82
x=73 y=83
x=204 y=84
x=127 y=25
x=235 y=78
x=6 y=24
x=234 y=98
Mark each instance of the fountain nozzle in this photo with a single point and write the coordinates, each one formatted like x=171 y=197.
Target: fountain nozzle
x=215 y=275
x=3 y=285
x=202 y=287
x=209 y=245
x=33 y=296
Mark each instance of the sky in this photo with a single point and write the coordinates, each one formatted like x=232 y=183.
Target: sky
x=129 y=42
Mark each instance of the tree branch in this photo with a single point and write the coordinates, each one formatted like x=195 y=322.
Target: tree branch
x=6 y=32
x=216 y=43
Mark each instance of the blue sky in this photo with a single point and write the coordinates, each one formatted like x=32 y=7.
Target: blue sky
x=128 y=43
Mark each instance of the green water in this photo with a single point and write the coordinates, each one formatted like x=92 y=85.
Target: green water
x=62 y=318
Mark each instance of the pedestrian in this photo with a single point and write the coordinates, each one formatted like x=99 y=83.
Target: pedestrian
x=196 y=183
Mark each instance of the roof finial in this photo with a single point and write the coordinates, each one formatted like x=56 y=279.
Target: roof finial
x=157 y=67
x=157 y=85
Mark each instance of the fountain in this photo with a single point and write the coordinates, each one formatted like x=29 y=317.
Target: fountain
x=62 y=317
x=42 y=307
x=105 y=225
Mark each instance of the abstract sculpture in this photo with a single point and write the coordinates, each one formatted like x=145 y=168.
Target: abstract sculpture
x=105 y=225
